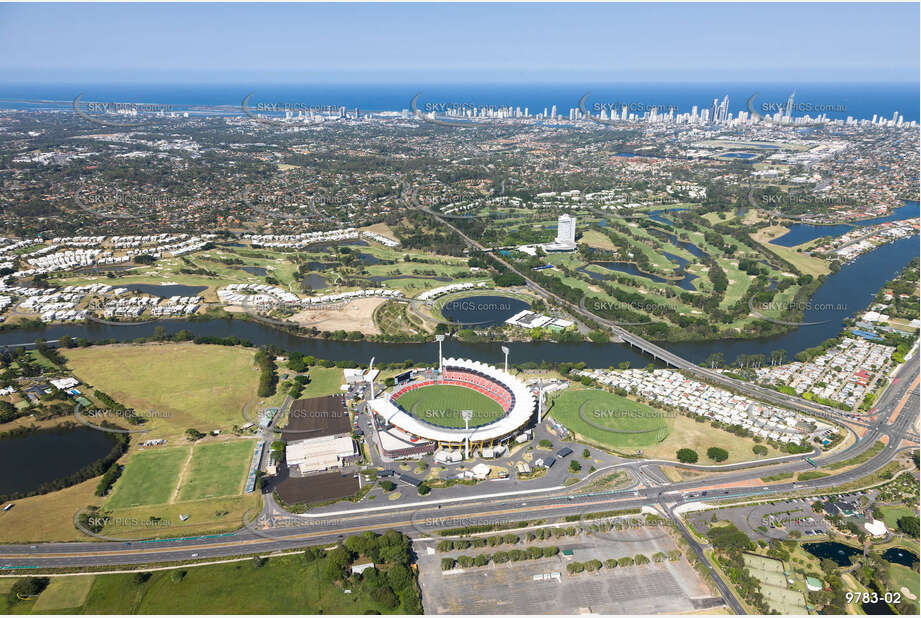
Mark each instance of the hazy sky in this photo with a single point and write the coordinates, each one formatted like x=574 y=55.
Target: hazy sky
x=459 y=42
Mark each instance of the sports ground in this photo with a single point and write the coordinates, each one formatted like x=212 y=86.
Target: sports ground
x=441 y=405
x=610 y=419
x=182 y=474
x=620 y=424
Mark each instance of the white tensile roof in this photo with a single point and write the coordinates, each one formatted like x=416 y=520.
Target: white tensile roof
x=520 y=413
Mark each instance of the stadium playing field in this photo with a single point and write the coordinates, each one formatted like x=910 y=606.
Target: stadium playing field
x=441 y=405
x=217 y=469
x=610 y=419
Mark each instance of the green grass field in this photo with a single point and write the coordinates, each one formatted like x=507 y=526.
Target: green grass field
x=904 y=576
x=283 y=585
x=188 y=385
x=442 y=404
x=64 y=593
x=149 y=478
x=680 y=431
x=891 y=515
x=216 y=470
x=610 y=419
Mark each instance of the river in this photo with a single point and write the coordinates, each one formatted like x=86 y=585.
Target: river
x=803 y=232
x=843 y=294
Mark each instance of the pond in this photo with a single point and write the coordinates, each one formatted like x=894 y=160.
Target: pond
x=897 y=555
x=628 y=268
x=879 y=607
x=165 y=291
x=657 y=215
x=737 y=155
x=255 y=270
x=40 y=457
x=481 y=311
x=313 y=281
x=367 y=259
x=839 y=553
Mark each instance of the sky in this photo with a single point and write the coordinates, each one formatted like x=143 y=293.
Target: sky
x=459 y=42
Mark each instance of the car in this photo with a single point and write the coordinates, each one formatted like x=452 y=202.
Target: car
x=195 y=555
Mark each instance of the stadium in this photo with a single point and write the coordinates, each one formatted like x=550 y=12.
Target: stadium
x=465 y=403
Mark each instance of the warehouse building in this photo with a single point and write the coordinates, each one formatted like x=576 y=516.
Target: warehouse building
x=318 y=436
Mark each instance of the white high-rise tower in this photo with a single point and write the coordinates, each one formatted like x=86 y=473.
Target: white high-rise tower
x=566 y=230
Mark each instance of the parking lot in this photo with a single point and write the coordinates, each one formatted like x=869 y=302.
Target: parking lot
x=766 y=521
x=510 y=588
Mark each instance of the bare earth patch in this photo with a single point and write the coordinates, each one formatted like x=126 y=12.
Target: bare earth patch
x=355 y=315
x=381 y=228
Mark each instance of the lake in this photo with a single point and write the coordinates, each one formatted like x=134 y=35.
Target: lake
x=838 y=553
x=486 y=310
x=39 y=457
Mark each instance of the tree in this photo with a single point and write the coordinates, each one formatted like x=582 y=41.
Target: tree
x=447 y=564
x=686 y=455
x=337 y=563
x=384 y=596
x=28 y=587
x=909 y=525
x=387 y=485
x=140 y=578
x=759 y=449
x=575 y=567
x=550 y=551
x=424 y=489
x=574 y=466
x=586 y=453
x=717 y=454
x=729 y=538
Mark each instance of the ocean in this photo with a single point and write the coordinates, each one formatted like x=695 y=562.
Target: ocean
x=837 y=100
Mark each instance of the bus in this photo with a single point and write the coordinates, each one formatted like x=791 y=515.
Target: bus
x=812 y=463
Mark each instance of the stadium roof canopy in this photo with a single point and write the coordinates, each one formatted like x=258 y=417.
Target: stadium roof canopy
x=521 y=411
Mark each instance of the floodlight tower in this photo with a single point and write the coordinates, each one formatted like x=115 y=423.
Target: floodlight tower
x=370 y=379
x=505 y=351
x=540 y=400
x=439 y=339
x=467 y=415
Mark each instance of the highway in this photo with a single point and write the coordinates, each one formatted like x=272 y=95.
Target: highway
x=419 y=519
x=658 y=352
x=895 y=417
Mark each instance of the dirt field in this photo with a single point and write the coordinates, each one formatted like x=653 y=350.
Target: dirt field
x=381 y=228
x=49 y=517
x=356 y=315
